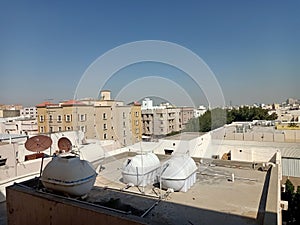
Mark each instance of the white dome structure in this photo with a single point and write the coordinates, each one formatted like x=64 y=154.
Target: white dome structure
x=178 y=173
x=68 y=174
x=141 y=170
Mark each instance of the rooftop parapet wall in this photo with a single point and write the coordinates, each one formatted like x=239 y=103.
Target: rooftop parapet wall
x=48 y=209
x=272 y=213
x=260 y=135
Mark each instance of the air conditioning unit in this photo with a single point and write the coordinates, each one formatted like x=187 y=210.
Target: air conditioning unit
x=284 y=205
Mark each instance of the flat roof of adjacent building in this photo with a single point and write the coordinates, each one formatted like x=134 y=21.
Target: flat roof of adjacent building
x=213 y=199
x=5 y=137
x=184 y=136
x=213 y=193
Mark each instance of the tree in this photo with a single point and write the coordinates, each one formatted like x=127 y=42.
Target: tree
x=297 y=206
x=288 y=216
x=192 y=125
x=205 y=122
x=289 y=187
x=217 y=117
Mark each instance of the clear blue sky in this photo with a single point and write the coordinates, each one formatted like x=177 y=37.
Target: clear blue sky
x=253 y=47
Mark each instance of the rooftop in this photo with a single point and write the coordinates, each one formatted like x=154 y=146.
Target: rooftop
x=212 y=194
x=213 y=199
x=184 y=136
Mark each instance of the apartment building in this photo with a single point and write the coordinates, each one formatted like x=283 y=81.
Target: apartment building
x=28 y=112
x=103 y=119
x=136 y=120
x=186 y=113
x=164 y=119
x=19 y=125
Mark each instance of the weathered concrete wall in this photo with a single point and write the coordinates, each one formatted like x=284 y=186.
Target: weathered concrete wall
x=24 y=208
x=276 y=136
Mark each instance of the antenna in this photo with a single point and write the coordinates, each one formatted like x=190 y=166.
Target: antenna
x=64 y=144
x=38 y=143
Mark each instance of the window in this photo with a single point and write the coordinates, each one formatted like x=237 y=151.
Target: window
x=136 y=114
x=59 y=128
x=124 y=125
x=68 y=118
x=124 y=116
x=105 y=126
x=41 y=129
x=41 y=118
x=124 y=133
x=104 y=136
x=136 y=122
x=137 y=130
x=59 y=118
x=82 y=117
x=104 y=116
x=51 y=129
x=168 y=151
x=83 y=128
x=69 y=128
x=50 y=118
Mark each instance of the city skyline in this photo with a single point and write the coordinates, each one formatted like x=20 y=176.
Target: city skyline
x=252 y=48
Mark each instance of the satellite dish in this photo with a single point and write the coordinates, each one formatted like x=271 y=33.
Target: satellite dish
x=64 y=144
x=38 y=143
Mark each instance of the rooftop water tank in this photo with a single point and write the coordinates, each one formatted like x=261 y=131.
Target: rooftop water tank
x=178 y=173
x=70 y=175
x=141 y=169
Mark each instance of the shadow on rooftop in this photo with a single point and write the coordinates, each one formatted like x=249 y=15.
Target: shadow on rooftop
x=26 y=205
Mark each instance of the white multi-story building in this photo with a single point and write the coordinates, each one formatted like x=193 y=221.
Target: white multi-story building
x=19 y=125
x=200 y=111
x=29 y=112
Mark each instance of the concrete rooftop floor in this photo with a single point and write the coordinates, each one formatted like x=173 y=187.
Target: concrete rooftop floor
x=212 y=198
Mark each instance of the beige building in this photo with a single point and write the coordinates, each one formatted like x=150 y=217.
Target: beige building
x=136 y=121
x=164 y=119
x=103 y=119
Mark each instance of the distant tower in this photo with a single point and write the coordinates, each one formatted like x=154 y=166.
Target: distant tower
x=105 y=95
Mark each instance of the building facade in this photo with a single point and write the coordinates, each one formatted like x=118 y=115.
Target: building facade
x=103 y=119
x=28 y=112
x=25 y=126
x=164 y=119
